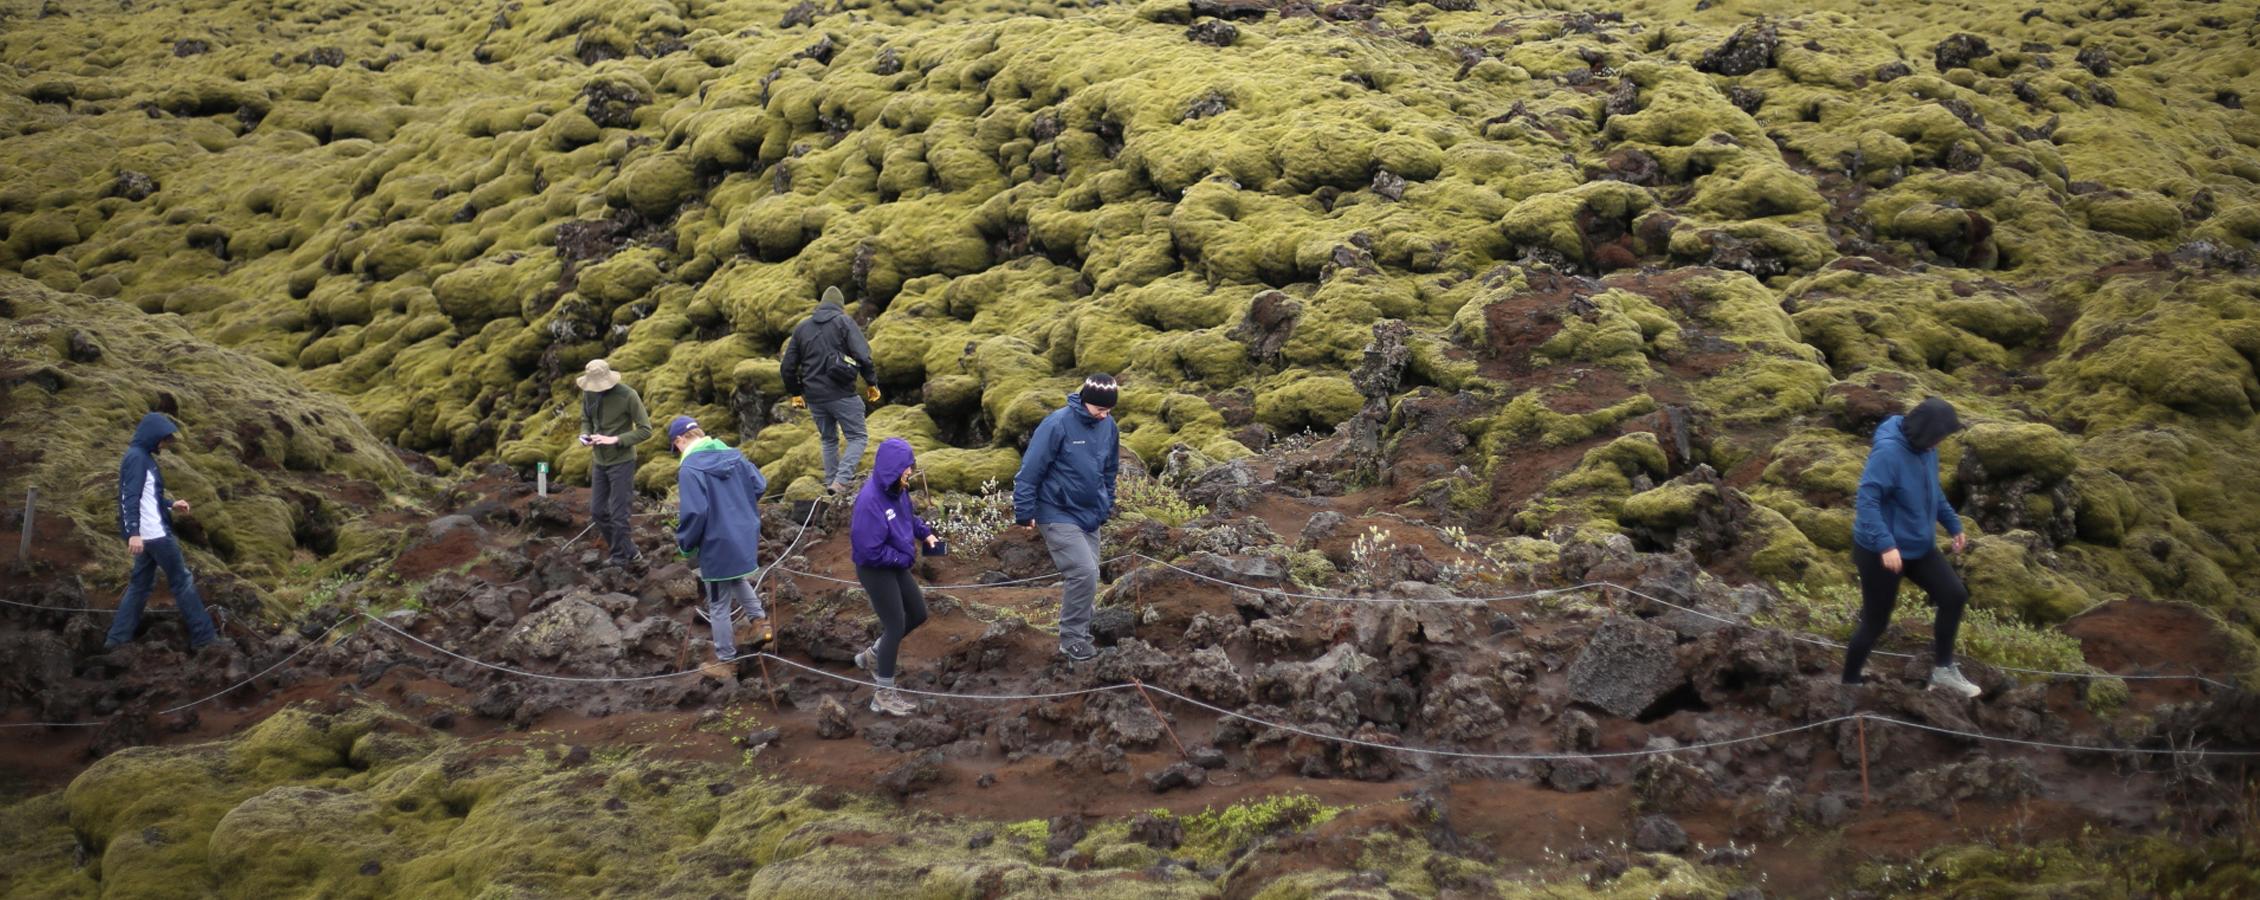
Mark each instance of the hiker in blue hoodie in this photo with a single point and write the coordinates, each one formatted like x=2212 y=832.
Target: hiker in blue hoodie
x=720 y=524
x=1065 y=491
x=145 y=520
x=885 y=537
x=1899 y=508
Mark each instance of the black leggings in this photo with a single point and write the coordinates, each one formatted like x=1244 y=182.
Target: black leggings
x=1879 y=592
x=901 y=609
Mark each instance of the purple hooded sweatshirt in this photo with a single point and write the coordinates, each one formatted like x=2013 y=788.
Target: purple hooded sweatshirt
x=884 y=533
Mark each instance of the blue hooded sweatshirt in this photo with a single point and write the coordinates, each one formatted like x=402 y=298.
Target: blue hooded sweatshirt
x=1900 y=501
x=140 y=462
x=1067 y=475
x=884 y=534
x=720 y=519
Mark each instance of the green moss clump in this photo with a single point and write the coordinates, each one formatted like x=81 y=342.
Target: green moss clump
x=2030 y=448
x=1308 y=400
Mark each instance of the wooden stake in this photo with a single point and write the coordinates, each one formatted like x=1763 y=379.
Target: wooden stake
x=767 y=682
x=1863 y=720
x=1164 y=720
x=23 y=543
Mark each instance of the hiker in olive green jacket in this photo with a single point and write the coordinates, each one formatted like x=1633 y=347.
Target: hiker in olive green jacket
x=613 y=421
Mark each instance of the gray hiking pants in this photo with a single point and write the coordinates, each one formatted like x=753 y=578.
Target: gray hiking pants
x=612 y=489
x=845 y=414
x=1076 y=553
x=719 y=595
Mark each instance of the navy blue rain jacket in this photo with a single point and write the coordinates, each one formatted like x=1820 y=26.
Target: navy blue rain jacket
x=1900 y=501
x=1068 y=473
x=720 y=519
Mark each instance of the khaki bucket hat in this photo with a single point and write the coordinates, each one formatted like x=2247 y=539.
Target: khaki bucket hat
x=598 y=377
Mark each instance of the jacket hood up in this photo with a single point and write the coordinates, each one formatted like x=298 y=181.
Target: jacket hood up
x=894 y=458
x=154 y=427
x=1928 y=423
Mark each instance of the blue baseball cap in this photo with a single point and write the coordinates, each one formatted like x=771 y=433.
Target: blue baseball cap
x=681 y=424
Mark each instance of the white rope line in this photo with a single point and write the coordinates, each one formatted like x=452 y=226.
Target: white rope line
x=147 y=610
x=1254 y=720
x=2051 y=745
x=1527 y=757
x=581 y=679
x=813 y=506
x=1055 y=695
x=1591 y=585
x=262 y=673
x=960 y=587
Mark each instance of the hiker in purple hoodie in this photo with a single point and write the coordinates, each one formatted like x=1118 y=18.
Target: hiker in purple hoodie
x=886 y=537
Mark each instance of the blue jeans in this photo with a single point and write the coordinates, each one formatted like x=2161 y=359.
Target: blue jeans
x=162 y=552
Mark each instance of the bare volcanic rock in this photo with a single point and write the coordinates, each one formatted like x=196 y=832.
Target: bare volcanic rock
x=1626 y=667
x=571 y=631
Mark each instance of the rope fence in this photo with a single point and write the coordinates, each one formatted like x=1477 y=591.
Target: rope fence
x=1289 y=728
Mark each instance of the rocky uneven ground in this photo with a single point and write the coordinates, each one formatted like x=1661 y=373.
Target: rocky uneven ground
x=1417 y=300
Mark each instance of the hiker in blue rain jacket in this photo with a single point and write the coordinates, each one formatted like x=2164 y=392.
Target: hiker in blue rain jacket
x=720 y=524
x=885 y=537
x=1065 y=491
x=145 y=521
x=1898 y=511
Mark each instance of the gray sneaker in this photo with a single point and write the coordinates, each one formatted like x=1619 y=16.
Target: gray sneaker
x=1078 y=651
x=867 y=660
x=892 y=702
x=1949 y=678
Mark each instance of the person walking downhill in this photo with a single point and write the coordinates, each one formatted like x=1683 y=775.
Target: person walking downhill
x=613 y=422
x=719 y=523
x=885 y=538
x=145 y=521
x=826 y=354
x=1065 y=491
x=1900 y=503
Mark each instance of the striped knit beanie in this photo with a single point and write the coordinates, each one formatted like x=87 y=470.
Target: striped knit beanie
x=1099 y=390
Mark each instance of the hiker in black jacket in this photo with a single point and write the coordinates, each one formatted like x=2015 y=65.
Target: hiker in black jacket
x=822 y=361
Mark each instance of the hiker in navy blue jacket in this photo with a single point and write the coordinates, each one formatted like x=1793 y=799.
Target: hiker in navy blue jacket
x=885 y=537
x=1894 y=526
x=720 y=523
x=145 y=520
x=1065 y=491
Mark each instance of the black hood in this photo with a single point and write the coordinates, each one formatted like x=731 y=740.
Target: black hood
x=1930 y=422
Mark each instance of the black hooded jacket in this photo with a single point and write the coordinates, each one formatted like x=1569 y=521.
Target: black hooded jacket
x=1928 y=423
x=825 y=355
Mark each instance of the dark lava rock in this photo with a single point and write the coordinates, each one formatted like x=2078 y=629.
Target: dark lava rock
x=1389 y=185
x=1746 y=99
x=1110 y=625
x=1658 y=834
x=1956 y=51
x=1179 y=775
x=575 y=758
x=1210 y=104
x=913 y=775
x=1667 y=783
x=1573 y=775
x=1206 y=757
x=1158 y=832
x=762 y=738
x=1749 y=49
x=323 y=56
x=191 y=47
x=1214 y=32
x=832 y=722
x=1893 y=71
x=1627 y=665
x=2095 y=59
x=82 y=348
x=133 y=186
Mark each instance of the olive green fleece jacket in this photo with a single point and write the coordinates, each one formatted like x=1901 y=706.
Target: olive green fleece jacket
x=617 y=412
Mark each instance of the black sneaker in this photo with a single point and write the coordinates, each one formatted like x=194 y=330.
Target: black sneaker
x=1078 y=651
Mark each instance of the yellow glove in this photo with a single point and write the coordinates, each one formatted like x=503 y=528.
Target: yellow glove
x=871 y=392
x=800 y=403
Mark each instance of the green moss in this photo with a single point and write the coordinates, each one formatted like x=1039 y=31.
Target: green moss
x=2010 y=450
x=1307 y=400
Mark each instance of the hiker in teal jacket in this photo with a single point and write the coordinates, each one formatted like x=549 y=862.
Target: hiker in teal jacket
x=720 y=523
x=1898 y=511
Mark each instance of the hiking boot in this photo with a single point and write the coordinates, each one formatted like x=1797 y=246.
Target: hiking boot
x=837 y=488
x=867 y=659
x=762 y=635
x=1949 y=678
x=892 y=702
x=719 y=670
x=1078 y=651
